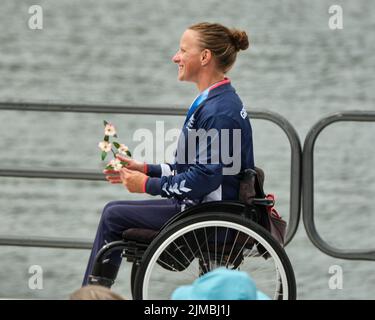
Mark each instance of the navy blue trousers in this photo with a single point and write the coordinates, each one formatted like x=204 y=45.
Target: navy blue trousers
x=119 y=216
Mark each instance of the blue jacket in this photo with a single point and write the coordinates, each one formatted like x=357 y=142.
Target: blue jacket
x=202 y=171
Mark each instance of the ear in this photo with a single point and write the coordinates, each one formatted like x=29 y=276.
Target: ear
x=206 y=57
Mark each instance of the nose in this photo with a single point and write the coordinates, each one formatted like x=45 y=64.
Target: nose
x=176 y=57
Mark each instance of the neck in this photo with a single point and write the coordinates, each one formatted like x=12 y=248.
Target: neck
x=207 y=81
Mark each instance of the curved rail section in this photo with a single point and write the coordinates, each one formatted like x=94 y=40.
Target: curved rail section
x=308 y=185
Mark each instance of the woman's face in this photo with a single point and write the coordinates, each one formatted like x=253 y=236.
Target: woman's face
x=188 y=57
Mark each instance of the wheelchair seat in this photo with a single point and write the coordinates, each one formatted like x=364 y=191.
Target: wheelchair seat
x=140 y=235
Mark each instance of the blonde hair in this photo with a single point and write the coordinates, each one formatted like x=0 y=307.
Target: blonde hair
x=93 y=292
x=223 y=42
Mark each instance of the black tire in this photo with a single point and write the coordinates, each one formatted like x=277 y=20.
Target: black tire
x=262 y=236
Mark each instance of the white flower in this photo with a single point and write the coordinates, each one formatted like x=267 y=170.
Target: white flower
x=105 y=146
x=116 y=164
x=109 y=130
x=122 y=149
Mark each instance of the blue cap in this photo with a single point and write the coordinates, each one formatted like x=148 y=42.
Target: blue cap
x=220 y=284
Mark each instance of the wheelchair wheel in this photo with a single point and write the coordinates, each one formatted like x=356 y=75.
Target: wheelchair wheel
x=198 y=244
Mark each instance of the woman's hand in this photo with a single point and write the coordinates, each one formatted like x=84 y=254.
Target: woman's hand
x=134 y=181
x=132 y=164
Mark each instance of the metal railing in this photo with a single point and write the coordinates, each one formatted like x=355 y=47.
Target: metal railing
x=308 y=185
x=295 y=176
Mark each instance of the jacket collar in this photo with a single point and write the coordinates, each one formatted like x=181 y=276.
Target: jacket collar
x=220 y=89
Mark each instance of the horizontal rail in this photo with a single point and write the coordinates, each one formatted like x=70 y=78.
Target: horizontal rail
x=49 y=107
x=52 y=174
x=283 y=123
x=45 y=242
x=308 y=185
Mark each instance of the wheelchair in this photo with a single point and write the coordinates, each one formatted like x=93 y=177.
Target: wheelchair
x=230 y=234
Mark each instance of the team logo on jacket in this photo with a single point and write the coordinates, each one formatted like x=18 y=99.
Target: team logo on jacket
x=175 y=188
x=190 y=123
x=243 y=113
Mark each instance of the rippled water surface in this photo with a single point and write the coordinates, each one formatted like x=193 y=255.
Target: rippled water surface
x=119 y=52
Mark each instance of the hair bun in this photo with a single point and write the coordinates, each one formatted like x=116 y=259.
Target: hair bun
x=240 y=39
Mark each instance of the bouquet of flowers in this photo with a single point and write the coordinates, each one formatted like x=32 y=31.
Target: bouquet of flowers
x=106 y=147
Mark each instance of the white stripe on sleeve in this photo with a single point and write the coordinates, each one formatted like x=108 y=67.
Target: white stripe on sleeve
x=165 y=170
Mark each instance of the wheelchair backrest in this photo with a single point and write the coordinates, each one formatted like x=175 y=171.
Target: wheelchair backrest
x=251 y=185
x=252 y=193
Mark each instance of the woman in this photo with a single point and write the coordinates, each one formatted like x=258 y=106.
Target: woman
x=205 y=172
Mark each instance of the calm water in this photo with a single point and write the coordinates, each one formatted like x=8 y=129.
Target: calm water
x=119 y=52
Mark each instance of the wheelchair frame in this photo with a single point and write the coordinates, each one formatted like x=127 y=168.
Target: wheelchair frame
x=138 y=242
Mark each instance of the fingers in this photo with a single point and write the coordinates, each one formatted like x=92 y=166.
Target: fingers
x=114 y=179
x=126 y=170
x=123 y=158
x=105 y=171
x=116 y=172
